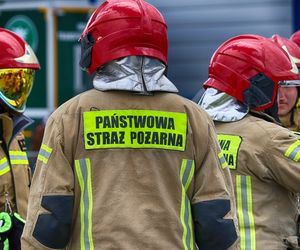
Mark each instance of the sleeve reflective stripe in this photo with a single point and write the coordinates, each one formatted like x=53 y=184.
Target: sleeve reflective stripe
x=44 y=153
x=18 y=157
x=186 y=176
x=222 y=160
x=245 y=213
x=4 y=166
x=83 y=172
x=293 y=152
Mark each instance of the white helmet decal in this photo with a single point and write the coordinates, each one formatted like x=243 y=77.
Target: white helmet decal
x=28 y=57
x=293 y=61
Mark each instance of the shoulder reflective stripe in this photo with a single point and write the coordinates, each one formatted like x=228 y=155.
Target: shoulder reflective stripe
x=44 y=153
x=4 y=166
x=245 y=212
x=230 y=145
x=293 y=152
x=222 y=160
x=83 y=172
x=186 y=175
x=18 y=157
x=135 y=129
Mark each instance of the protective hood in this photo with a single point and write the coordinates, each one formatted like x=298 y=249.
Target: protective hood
x=222 y=107
x=134 y=73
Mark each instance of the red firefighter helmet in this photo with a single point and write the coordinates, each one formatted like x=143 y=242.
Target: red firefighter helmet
x=18 y=64
x=295 y=37
x=249 y=68
x=120 y=28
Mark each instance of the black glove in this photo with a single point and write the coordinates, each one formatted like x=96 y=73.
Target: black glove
x=11 y=230
x=5 y=229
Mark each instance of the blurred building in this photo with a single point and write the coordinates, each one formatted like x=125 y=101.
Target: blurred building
x=197 y=27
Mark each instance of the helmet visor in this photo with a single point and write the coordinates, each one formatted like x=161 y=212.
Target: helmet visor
x=15 y=87
x=289 y=83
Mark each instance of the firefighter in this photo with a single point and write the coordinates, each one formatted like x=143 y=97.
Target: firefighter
x=129 y=164
x=241 y=98
x=18 y=64
x=288 y=95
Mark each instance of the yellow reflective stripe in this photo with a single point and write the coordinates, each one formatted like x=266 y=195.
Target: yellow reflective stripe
x=4 y=166
x=191 y=226
x=135 y=129
x=44 y=153
x=297 y=105
x=17 y=153
x=293 y=152
x=222 y=160
x=18 y=157
x=186 y=175
x=83 y=172
x=245 y=212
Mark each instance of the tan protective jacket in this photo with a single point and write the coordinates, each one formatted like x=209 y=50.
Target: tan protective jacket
x=264 y=161
x=119 y=170
x=14 y=170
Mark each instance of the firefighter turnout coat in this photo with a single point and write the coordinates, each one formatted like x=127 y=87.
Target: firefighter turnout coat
x=14 y=167
x=264 y=162
x=119 y=170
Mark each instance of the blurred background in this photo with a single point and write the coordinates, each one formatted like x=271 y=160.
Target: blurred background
x=195 y=28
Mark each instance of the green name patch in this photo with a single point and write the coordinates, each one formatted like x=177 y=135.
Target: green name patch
x=230 y=145
x=135 y=129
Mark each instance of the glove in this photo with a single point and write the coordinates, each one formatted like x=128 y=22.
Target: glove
x=5 y=229
x=14 y=236
x=11 y=230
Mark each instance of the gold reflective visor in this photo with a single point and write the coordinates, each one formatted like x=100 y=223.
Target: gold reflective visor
x=15 y=87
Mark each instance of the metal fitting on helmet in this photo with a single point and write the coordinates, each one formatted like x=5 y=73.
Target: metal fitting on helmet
x=120 y=28
x=249 y=68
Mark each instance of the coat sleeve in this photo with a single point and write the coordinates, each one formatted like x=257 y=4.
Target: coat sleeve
x=213 y=205
x=51 y=196
x=283 y=159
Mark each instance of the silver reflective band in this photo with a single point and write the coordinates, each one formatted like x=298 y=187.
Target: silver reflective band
x=289 y=83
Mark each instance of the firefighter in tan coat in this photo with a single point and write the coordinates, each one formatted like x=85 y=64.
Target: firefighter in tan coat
x=289 y=95
x=295 y=37
x=18 y=64
x=240 y=96
x=129 y=164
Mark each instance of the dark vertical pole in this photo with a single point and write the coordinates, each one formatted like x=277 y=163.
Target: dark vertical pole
x=296 y=15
